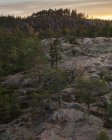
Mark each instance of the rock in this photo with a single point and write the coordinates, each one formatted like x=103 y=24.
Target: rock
x=94 y=76
x=70 y=124
x=110 y=86
x=108 y=67
x=47 y=42
x=14 y=80
x=30 y=82
x=67 y=114
x=66 y=46
x=69 y=90
x=105 y=99
x=92 y=70
x=87 y=41
x=76 y=106
x=99 y=39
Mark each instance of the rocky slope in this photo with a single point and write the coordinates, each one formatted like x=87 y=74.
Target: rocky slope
x=71 y=121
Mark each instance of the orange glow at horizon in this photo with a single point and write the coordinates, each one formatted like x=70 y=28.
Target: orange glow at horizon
x=105 y=17
x=93 y=8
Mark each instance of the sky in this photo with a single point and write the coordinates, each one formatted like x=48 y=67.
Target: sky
x=94 y=8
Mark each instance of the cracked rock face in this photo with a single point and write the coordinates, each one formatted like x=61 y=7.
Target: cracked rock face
x=71 y=124
x=64 y=124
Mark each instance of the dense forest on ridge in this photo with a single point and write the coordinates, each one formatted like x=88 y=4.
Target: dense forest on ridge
x=57 y=23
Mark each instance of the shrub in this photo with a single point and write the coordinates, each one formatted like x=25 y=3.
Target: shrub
x=40 y=104
x=109 y=109
x=89 y=89
x=9 y=105
x=102 y=136
x=106 y=75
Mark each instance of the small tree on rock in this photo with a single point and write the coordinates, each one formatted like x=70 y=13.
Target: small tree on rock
x=90 y=88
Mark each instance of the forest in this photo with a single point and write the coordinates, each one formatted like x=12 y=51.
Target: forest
x=57 y=23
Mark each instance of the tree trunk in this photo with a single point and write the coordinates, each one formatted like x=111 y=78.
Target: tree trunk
x=59 y=99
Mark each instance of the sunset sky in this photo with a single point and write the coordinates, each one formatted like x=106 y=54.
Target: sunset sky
x=95 y=8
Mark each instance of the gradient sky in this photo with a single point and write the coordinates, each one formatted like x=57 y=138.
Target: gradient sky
x=95 y=8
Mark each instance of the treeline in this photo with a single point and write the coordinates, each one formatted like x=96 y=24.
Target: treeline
x=56 y=23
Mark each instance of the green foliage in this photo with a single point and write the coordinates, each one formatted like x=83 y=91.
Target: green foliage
x=106 y=75
x=102 y=136
x=9 y=105
x=90 y=88
x=56 y=78
x=39 y=96
x=40 y=103
x=48 y=33
x=109 y=109
x=18 y=53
